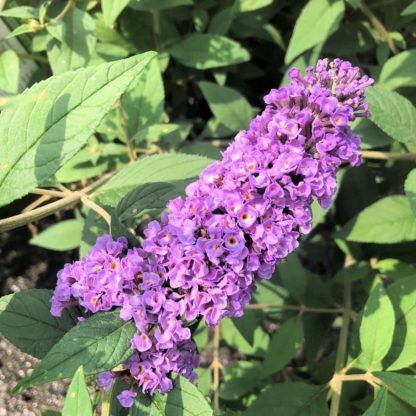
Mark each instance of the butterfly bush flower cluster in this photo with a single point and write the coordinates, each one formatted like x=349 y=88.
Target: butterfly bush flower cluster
x=240 y=219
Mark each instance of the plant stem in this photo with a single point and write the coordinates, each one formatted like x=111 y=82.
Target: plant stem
x=300 y=308
x=216 y=367
x=99 y=210
x=384 y=34
x=36 y=203
x=68 y=6
x=336 y=382
x=49 y=192
x=130 y=148
x=375 y=154
x=156 y=29
x=42 y=212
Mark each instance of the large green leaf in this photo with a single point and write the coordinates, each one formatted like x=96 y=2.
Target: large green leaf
x=400 y=385
x=99 y=343
x=112 y=9
x=204 y=51
x=20 y=12
x=410 y=188
x=389 y=220
x=378 y=407
x=239 y=378
x=222 y=21
x=285 y=343
x=228 y=106
x=73 y=41
x=393 y=113
x=317 y=21
x=183 y=400
x=161 y=168
x=376 y=329
x=54 y=119
x=26 y=321
x=63 y=236
x=402 y=353
x=77 y=400
x=290 y=399
x=399 y=71
x=143 y=102
x=148 y=197
x=233 y=337
x=9 y=71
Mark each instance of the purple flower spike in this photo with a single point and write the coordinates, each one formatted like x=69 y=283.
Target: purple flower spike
x=239 y=220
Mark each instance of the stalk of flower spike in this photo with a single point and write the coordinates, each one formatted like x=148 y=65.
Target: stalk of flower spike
x=239 y=220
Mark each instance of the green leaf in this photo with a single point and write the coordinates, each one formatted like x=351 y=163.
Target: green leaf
x=204 y=51
x=239 y=378
x=73 y=43
x=147 y=197
x=410 y=9
x=183 y=400
x=99 y=343
x=355 y=272
x=63 y=236
x=396 y=406
x=228 y=106
x=378 y=408
x=148 y=5
x=402 y=353
x=389 y=220
x=50 y=413
x=112 y=9
x=371 y=136
x=285 y=343
x=204 y=381
x=222 y=21
x=247 y=324
x=395 y=269
x=26 y=321
x=25 y=28
x=410 y=189
x=77 y=400
x=154 y=133
x=68 y=108
x=143 y=102
x=244 y=6
x=43 y=9
x=9 y=71
x=20 y=12
x=292 y=274
x=235 y=339
x=290 y=399
x=398 y=71
x=165 y=168
x=81 y=166
x=393 y=113
x=401 y=385
x=317 y=21
x=376 y=329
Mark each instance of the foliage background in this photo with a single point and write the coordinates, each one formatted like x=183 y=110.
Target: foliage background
x=216 y=61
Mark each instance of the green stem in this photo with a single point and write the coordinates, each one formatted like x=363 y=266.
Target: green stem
x=68 y=6
x=336 y=385
x=156 y=29
x=374 y=154
x=384 y=34
x=20 y=220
